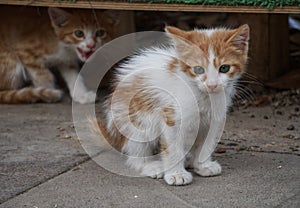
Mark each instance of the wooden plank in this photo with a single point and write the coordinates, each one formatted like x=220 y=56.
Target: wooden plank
x=278 y=45
x=259 y=45
x=153 y=6
x=125 y=26
x=258 y=65
x=269 y=44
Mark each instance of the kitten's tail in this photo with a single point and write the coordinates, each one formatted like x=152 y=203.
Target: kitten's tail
x=30 y=95
x=113 y=137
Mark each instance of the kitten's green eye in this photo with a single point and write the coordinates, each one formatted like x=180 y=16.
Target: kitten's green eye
x=79 y=33
x=100 y=33
x=198 y=70
x=224 y=68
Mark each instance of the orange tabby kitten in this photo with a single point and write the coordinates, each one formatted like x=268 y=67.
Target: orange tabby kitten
x=34 y=40
x=164 y=100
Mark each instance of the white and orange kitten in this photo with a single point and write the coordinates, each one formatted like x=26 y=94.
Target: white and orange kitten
x=34 y=40
x=162 y=103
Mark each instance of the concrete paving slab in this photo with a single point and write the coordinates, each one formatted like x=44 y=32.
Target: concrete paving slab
x=89 y=185
x=37 y=142
x=38 y=147
x=248 y=180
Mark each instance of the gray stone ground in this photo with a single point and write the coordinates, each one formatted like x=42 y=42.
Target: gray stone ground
x=42 y=164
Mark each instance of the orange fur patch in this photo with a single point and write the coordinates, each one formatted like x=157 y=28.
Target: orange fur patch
x=203 y=78
x=163 y=145
x=29 y=95
x=172 y=65
x=187 y=69
x=116 y=141
x=168 y=114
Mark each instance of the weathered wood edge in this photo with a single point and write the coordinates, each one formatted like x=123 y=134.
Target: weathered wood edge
x=153 y=6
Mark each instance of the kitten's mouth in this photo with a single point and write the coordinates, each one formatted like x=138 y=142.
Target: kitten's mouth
x=85 y=54
x=214 y=91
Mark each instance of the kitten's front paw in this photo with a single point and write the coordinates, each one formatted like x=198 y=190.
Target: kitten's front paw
x=153 y=169
x=178 y=179
x=50 y=95
x=84 y=98
x=209 y=168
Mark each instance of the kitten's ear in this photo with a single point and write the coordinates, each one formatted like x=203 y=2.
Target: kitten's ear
x=240 y=37
x=179 y=37
x=186 y=50
x=114 y=16
x=59 y=17
x=174 y=31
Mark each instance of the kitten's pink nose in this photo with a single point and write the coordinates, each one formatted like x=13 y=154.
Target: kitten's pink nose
x=212 y=87
x=91 y=46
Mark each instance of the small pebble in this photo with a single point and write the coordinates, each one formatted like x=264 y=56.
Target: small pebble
x=60 y=129
x=220 y=150
x=289 y=136
x=256 y=148
x=252 y=116
x=279 y=167
x=232 y=144
x=290 y=127
x=241 y=148
x=293 y=149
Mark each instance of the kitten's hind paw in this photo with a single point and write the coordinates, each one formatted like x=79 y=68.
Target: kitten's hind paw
x=209 y=168
x=179 y=178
